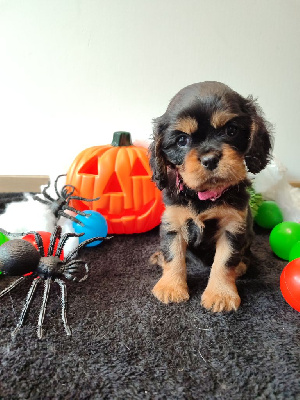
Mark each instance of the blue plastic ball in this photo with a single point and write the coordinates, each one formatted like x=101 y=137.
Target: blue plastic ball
x=94 y=225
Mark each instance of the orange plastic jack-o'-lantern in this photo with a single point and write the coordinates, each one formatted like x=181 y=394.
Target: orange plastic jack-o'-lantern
x=120 y=175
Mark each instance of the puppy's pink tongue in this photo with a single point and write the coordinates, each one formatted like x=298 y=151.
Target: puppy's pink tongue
x=211 y=194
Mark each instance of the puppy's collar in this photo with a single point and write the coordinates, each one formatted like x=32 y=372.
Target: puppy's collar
x=212 y=195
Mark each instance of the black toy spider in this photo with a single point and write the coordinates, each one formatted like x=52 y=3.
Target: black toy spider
x=61 y=204
x=19 y=257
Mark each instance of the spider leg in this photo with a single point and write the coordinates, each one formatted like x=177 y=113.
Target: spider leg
x=26 y=305
x=70 y=268
x=83 y=198
x=69 y=276
x=39 y=242
x=82 y=244
x=12 y=285
x=86 y=274
x=61 y=213
x=63 y=240
x=70 y=197
x=67 y=207
x=55 y=184
x=6 y=233
x=47 y=284
x=43 y=201
x=55 y=235
x=67 y=191
x=63 y=290
x=45 y=193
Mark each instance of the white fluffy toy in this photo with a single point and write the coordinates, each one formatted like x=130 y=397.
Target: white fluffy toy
x=27 y=215
x=272 y=184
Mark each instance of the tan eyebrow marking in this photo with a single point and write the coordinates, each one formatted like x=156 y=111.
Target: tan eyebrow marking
x=187 y=125
x=220 y=118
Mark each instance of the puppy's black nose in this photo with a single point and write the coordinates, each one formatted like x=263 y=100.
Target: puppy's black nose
x=210 y=161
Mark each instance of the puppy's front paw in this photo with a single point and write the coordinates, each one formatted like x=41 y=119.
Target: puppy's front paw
x=215 y=301
x=170 y=292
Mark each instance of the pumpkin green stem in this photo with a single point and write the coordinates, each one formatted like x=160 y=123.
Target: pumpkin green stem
x=121 y=139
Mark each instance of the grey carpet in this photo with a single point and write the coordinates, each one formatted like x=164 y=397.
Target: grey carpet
x=127 y=345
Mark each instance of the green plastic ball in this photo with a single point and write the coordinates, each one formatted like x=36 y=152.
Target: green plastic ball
x=268 y=215
x=283 y=237
x=295 y=252
x=3 y=238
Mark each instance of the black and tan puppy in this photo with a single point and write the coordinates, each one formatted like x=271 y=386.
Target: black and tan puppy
x=203 y=146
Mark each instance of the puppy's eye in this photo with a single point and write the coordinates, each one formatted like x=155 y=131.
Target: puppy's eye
x=183 y=140
x=231 y=130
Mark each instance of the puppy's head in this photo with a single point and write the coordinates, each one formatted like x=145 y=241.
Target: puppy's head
x=211 y=135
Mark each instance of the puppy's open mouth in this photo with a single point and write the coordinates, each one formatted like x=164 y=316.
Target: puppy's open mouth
x=206 y=192
x=209 y=188
x=212 y=194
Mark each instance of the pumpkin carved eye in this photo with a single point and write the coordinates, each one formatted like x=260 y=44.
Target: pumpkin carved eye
x=120 y=175
x=138 y=169
x=90 y=167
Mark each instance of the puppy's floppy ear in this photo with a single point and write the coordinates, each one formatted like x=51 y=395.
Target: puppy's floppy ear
x=157 y=159
x=259 y=151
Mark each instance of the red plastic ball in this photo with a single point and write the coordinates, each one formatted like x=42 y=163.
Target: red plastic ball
x=290 y=284
x=46 y=242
